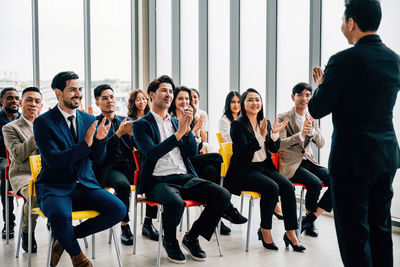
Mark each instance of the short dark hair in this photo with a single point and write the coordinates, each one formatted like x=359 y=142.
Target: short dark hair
x=366 y=13
x=153 y=86
x=5 y=90
x=31 y=89
x=97 y=91
x=298 y=88
x=60 y=80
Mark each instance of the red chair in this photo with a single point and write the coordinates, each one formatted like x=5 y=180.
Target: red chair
x=189 y=203
x=17 y=197
x=275 y=160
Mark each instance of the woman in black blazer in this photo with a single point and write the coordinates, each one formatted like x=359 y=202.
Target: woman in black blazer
x=251 y=169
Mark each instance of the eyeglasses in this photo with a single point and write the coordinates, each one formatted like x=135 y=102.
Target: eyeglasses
x=308 y=95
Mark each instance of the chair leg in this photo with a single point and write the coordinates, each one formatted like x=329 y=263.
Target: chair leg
x=141 y=213
x=181 y=224
x=110 y=235
x=29 y=231
x=134 y=221
x=93 y=246
x=20 y=231
x=117 y=250
x=159 y=242
x=301 y=212
x=249 y=224
x=51 y=240
x=241 y=203
x=218 y=241
x=84 y=239
x=7 y=213
x=187 y=219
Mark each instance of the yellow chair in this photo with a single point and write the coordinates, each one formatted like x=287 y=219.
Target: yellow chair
x=226 y=149
x=36 y=165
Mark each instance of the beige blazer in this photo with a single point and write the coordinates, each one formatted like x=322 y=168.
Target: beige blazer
x=19 y=141
x=292 y=149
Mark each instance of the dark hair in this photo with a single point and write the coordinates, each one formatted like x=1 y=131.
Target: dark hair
x=260 y=114
x=153 y=86
x=5 y=90
x=59 y=81
x=228 y=100
x=172 y=108
x=132 y=109
x=97 y=91
x=31 y=89
x=366 y=13
x=298 y=88
x=197 y=92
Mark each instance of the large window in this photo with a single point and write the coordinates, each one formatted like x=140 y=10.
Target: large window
x=293 y=49
x=61 y=43
x=16 y=44
x=163 y=37
x=111 y=44
x=218 y=64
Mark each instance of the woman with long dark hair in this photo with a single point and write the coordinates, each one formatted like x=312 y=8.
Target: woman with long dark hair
x=231 y=113
x=251 y=168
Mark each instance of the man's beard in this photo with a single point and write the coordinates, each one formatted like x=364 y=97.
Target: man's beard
x=11 y=111
x=70 y=105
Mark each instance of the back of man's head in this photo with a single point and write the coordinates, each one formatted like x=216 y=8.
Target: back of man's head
x=155 y=84
x=60 y=80
x=31 y=89
x=97 y=91
x=366 y=13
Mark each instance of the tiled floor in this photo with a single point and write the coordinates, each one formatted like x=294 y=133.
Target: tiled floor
x=321 y=251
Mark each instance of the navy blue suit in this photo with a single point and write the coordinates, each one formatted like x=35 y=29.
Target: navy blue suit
x=170 y=190
x=67 y=182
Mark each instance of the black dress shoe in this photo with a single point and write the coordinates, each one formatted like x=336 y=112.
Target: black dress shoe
x=271 y=246
x=280 y=217
x=234 y=216
x=308 y=227
x=148 y=230
x=194 y=249
x=174 y=252
x=25 y=242
x=298 y=248
x=225 y=230
x=10 y=233
x=126 y=235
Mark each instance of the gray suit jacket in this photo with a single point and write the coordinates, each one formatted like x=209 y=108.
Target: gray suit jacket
x=292 y=149
x=19 y=141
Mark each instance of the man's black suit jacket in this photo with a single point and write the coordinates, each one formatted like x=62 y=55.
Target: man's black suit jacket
x=360 y=87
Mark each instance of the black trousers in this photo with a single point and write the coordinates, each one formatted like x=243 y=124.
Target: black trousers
x=208 y=166
x=271 y=183
x=313 y=177
x=175 y=189
x=3 y=164
x=120 y=182
x=361 y=206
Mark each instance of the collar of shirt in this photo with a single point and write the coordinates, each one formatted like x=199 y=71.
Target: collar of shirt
x=158 y=118
x=28 y=122
x=65 y=114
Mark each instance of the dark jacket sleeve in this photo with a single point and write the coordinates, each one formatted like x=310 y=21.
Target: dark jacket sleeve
x=241 y=145
x=269 y=143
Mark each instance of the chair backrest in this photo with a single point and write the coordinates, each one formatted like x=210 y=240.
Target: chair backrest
x=226 y=151
x=219 y=137
x=36 y=165
x=275 y=159
x=8 y=157
x=136 y=156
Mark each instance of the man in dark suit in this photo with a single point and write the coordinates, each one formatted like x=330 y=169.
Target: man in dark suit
x=117 y=170
x=67 y=140
x=360 y=87
x=9 y=98
x=167 y=175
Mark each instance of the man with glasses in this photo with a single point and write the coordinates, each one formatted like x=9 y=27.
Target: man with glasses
x=296 y=159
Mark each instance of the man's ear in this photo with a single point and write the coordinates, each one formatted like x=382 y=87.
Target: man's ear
x=58 y=93
x=352 y=24
x=97 y=102
x=20 y=102
x=292 y=95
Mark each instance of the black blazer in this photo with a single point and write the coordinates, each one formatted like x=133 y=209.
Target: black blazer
x=360 y=87
x=244 y=144
x=147 y=139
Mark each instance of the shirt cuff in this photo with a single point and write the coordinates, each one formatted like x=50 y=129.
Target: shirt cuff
x=312 y=133
x=274 y=136
x=301 y=138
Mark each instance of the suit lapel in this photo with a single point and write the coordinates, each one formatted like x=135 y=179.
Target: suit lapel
x=25 y=128
x=60 y=122
x=154 y=126
x=292 y=123
x=81 y=133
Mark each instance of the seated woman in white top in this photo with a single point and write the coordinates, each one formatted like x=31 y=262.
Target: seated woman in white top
x=231 y=112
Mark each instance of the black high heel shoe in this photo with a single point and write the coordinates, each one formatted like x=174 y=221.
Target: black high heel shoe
x=271 y=246
x=298 y=248
x=280 y=217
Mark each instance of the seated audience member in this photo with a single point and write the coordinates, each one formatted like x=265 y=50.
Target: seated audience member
x=19 y=140
x=296 y=159
x=68 y=140
x=231 y=113
x=198 y=114
x=206 y=165
x=9 y=98
x=167 y=177
x=117 y=170
x=251 y=168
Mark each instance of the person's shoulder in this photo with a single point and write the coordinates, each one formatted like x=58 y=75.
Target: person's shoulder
x=285 y=115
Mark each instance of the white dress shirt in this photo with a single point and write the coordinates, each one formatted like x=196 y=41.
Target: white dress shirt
x=66 y=115
x=172 y=162
x=300 y=119
x=225 y=129
x=261 y=155
x=205 y=123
